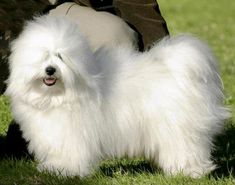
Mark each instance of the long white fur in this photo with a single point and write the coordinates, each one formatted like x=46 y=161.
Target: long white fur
x=165 y=104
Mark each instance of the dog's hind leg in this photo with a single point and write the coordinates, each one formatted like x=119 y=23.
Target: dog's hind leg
x=183 y=151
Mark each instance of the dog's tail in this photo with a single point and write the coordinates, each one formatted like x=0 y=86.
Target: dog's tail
x=188 y=56
x=194 y=67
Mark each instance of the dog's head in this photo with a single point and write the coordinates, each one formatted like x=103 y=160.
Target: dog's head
x=50 y=63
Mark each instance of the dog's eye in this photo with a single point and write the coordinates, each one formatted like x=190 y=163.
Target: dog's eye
x=59 y=56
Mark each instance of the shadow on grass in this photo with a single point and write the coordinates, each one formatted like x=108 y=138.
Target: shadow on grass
x=13 y=145
x=127 y=166
x=224 y=155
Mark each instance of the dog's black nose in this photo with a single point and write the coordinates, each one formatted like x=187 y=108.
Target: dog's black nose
x=50 y=70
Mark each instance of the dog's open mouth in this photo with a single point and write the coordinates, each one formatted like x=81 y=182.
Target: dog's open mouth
x=49 y=81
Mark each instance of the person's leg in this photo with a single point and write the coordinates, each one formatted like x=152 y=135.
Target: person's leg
x=3 y=61
x=142 y=15
x=145 y=17
x=3 y=76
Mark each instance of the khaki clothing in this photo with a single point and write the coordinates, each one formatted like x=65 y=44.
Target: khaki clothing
x=142 y=15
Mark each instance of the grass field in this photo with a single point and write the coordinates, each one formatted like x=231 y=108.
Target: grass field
x=213 y=21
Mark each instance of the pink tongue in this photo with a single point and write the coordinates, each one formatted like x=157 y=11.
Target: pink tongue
x=49 y=81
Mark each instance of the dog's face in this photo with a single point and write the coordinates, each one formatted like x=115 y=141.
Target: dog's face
x=47 y=73
x=49 y=64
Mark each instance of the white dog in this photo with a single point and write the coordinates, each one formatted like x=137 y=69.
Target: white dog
x=76 y=107
x=100 y=28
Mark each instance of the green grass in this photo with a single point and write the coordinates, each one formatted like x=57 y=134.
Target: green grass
x=213 y=21
x=5 y=115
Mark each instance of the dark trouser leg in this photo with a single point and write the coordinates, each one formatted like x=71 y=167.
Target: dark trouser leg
x=145 y=17
x=3 y=75
x=142 y=15
x=3 y=61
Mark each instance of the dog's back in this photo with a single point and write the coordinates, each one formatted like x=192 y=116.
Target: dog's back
x=167 y=103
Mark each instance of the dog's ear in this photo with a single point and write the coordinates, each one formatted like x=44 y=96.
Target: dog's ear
x=70 y=64
x=84 y=78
